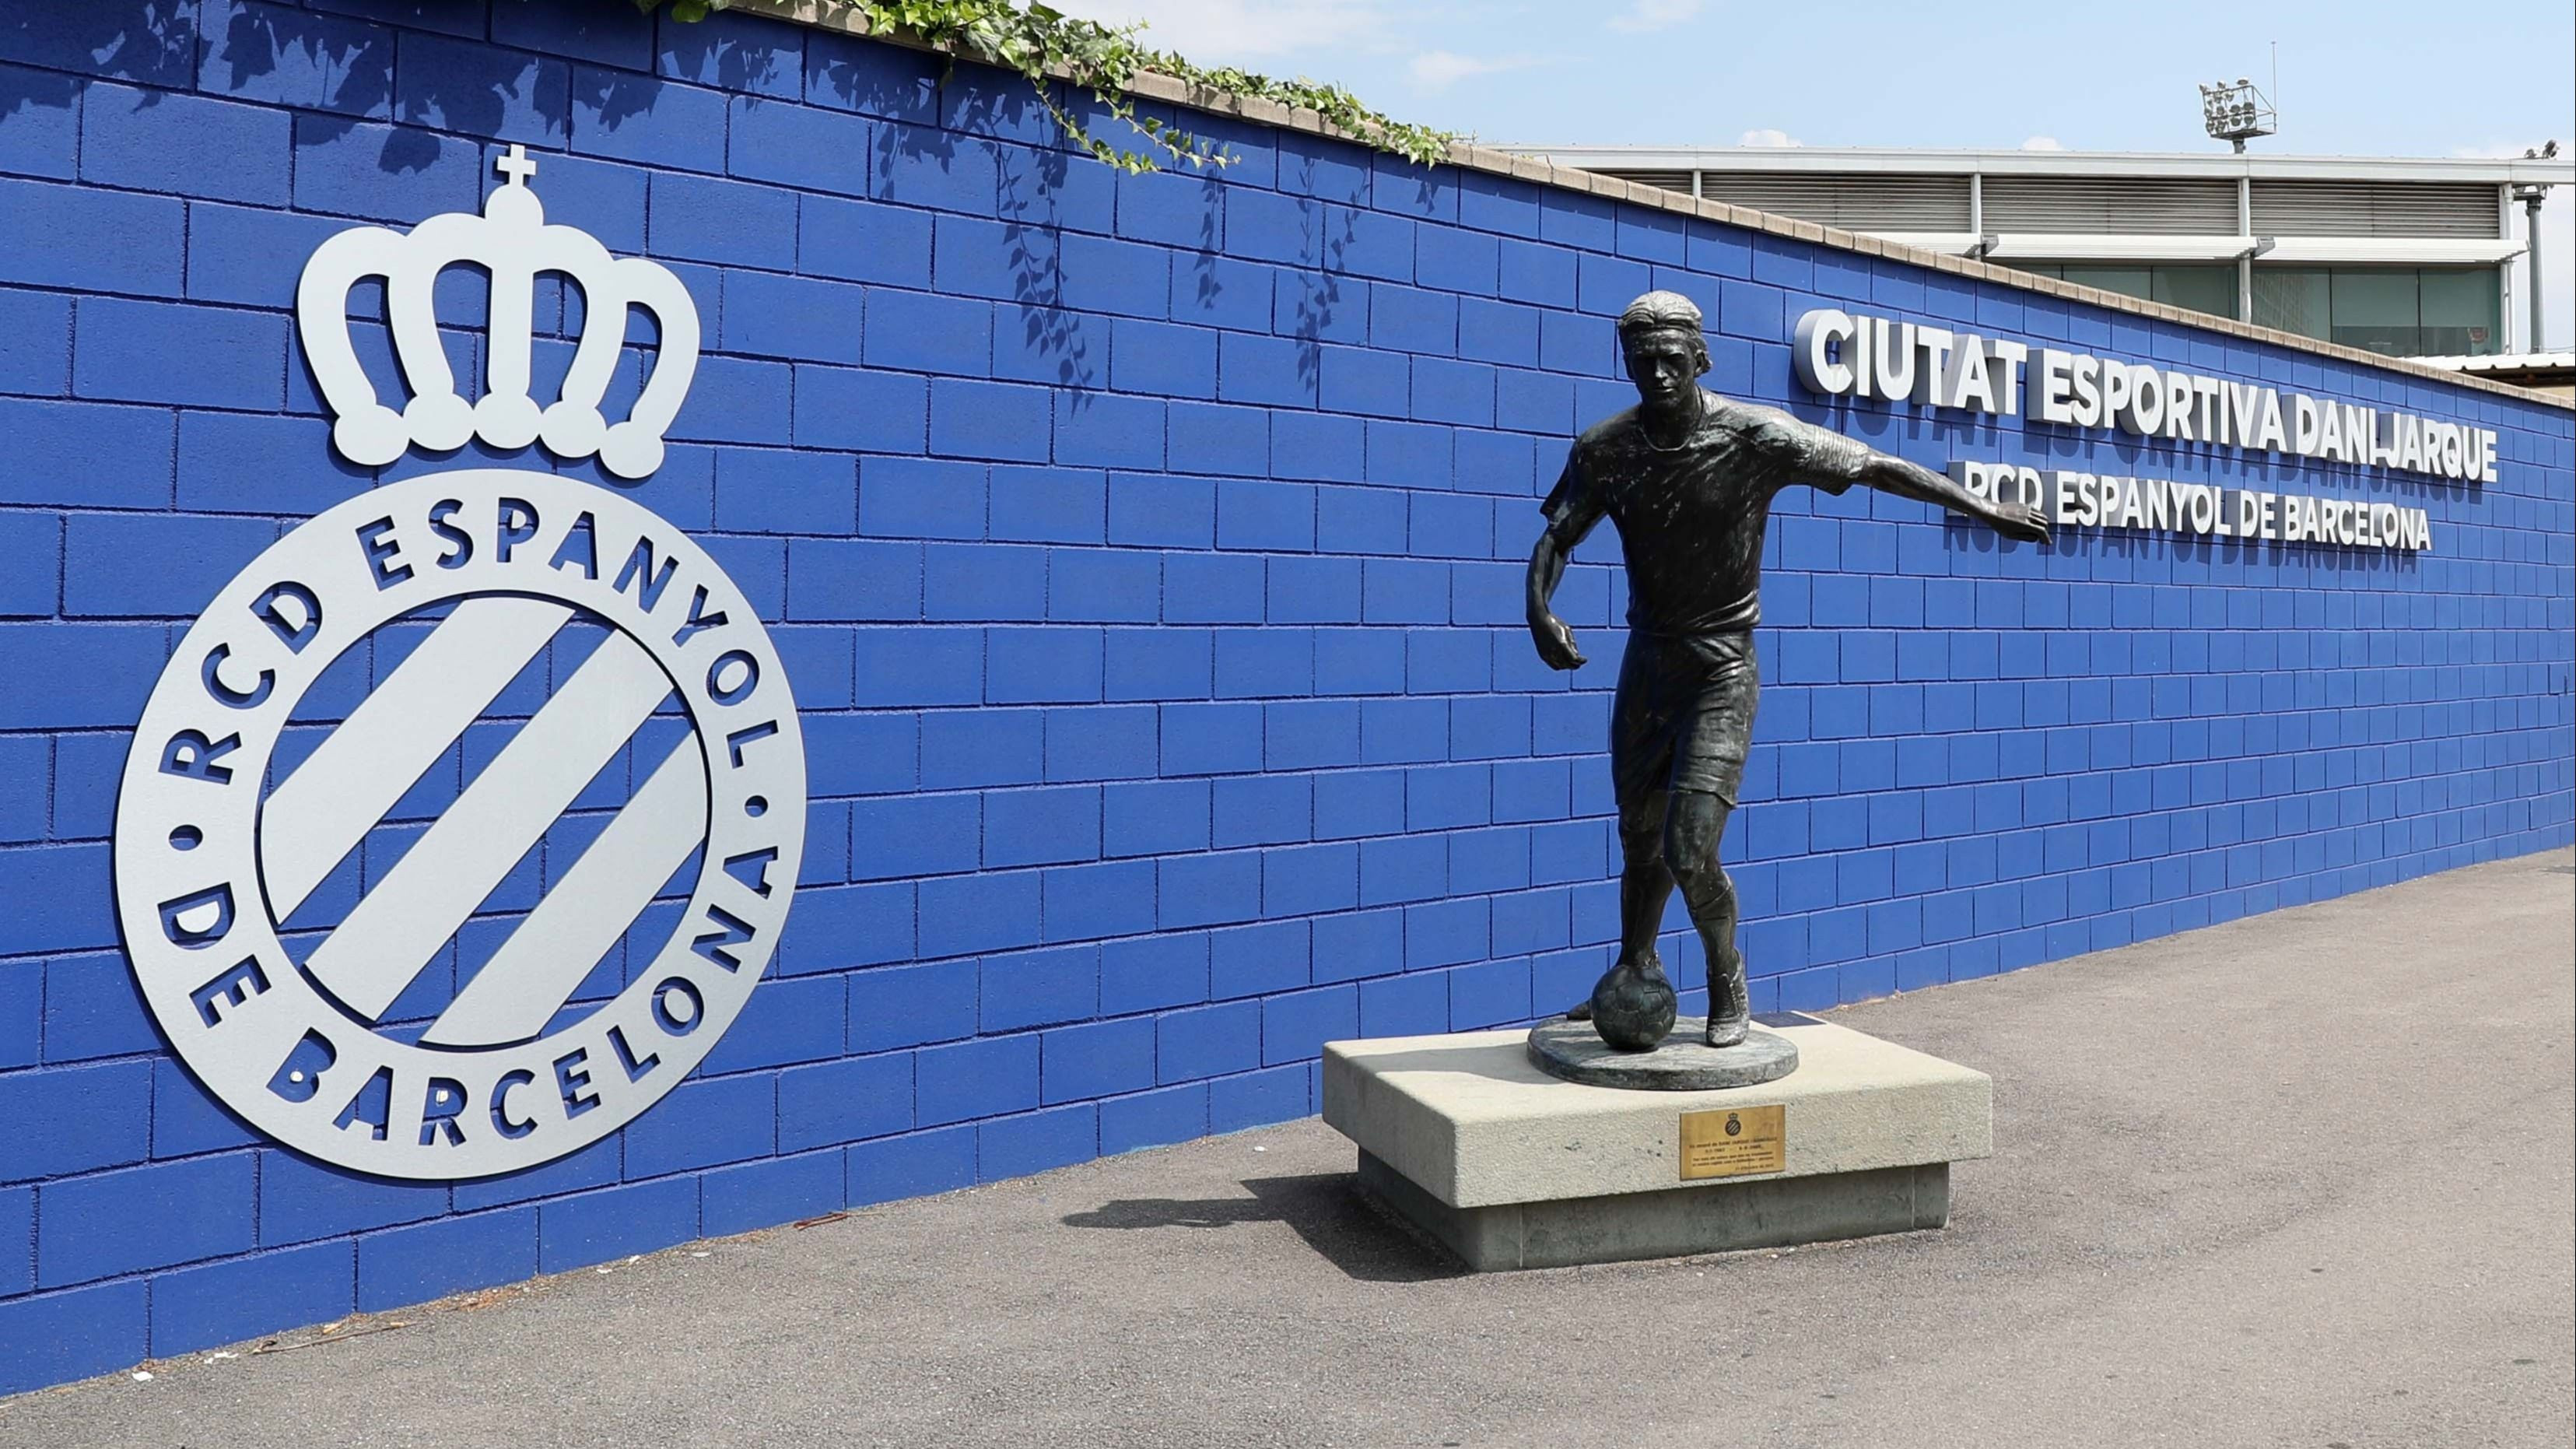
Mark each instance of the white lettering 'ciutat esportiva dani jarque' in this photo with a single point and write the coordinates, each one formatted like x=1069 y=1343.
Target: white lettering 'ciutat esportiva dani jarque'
x=220 y=837
x=1838 y=354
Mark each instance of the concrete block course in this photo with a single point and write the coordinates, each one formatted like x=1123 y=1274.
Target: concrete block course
x=1144 y=553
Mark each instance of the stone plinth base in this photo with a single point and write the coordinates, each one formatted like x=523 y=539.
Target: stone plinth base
x=1513 y=1168
x=1675 y=1222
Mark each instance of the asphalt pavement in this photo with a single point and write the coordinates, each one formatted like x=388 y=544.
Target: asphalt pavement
x=2305 y=1180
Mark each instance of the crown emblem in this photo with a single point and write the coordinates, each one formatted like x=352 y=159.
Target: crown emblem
x=512 y=242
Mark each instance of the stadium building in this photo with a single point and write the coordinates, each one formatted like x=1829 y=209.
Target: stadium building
x=2403 y=256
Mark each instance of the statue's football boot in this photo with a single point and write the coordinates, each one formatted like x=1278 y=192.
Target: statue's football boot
x=1730 y=1013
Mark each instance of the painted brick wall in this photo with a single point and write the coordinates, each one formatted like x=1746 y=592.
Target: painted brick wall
x=1146 y=555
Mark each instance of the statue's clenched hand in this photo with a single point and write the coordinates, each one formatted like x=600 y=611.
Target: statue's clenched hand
x=1555 y=642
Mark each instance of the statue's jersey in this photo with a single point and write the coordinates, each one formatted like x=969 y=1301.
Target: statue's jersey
x=1691 y=517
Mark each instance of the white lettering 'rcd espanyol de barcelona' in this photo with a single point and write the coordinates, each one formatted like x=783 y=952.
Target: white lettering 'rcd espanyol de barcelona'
x=221 y=837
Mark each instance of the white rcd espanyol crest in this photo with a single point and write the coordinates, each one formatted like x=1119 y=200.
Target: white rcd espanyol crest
x=220 y=837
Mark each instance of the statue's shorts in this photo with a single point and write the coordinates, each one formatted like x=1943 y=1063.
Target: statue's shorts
x=1683 y=718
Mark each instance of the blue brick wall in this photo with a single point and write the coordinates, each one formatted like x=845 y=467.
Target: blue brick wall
x=1146 y=555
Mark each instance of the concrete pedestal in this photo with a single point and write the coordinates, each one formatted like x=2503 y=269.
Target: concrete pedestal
x=1513 y=1168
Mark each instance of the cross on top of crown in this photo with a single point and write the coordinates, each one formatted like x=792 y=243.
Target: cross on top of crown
x=516 y=165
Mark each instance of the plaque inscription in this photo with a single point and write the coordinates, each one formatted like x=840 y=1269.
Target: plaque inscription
x=1733 y=1141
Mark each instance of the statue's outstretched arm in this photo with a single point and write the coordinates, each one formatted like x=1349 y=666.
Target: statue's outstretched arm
x=1907 y=480
x=1806 y=453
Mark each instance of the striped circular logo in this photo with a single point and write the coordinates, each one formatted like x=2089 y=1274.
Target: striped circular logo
x=461 y=824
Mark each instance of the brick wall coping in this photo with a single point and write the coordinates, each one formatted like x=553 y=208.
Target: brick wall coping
x=846 y=18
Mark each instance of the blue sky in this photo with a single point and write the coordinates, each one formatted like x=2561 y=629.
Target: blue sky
x=2366 y=77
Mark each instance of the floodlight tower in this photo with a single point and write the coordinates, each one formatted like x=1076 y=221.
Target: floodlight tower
x=2236 y=113
x=2531 y=194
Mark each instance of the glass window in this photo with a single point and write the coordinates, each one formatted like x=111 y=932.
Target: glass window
x=2463 y=312
x=2202 y=289
x=2375 y=309
x=2127 y=281
x=2291 y=299
x=2396 y=311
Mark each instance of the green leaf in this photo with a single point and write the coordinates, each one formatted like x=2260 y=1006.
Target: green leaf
x=1105 y=60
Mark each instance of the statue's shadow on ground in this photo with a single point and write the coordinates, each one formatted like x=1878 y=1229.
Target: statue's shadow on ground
x=1324 y=1208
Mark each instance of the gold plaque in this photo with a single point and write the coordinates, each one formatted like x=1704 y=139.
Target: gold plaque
x=1734 y=1141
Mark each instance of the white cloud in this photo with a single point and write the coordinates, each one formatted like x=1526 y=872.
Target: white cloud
x=2043 y=143
x=1242 y=32
x=1655 y=15
x=1770 y=138
x=1439 y=69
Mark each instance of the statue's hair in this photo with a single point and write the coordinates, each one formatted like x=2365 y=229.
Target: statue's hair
x=1665 y=312
x=1659 y=311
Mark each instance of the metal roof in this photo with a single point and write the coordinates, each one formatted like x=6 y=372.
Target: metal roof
x=2493 y=170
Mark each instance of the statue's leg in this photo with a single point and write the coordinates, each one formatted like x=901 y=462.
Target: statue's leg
x=1696 y=824
x=1645 y=881
x=1634 y=1004
x=1641 y=760
x=1645 y=884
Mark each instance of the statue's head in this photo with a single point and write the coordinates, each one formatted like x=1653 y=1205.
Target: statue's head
x=1660 y=336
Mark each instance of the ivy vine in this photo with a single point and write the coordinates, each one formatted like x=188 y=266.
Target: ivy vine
x=1042 y=44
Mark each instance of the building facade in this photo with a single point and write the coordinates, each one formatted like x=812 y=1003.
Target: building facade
x=1144 y=555
x=2398 y=256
